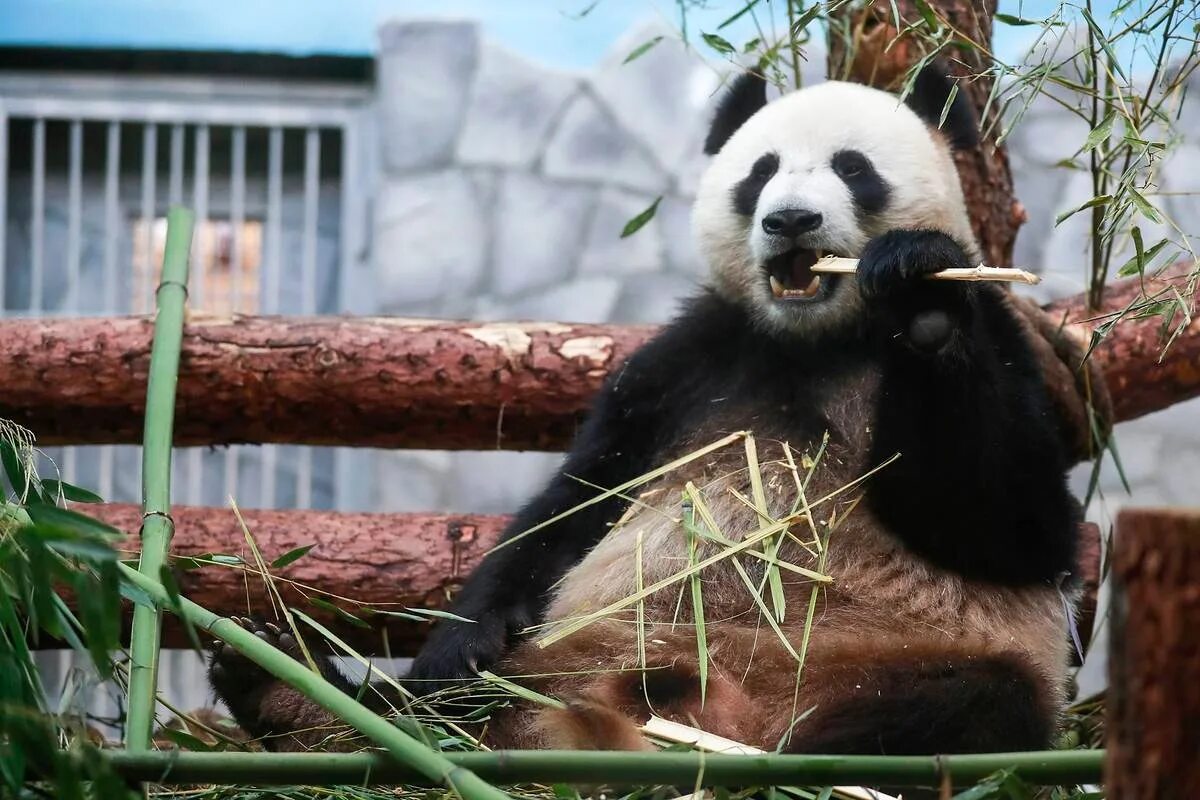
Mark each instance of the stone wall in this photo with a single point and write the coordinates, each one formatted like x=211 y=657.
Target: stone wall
x=506 y=185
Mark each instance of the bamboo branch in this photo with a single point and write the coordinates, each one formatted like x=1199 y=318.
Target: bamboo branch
x=1059 y=767
x=157 y=527
x=848 y=266
x=408 y=753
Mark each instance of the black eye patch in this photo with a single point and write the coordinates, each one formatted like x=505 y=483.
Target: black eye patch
x=746 y=192
x=868 y=188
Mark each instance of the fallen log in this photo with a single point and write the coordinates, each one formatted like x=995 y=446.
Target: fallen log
x=364 y=561
x=361 y=563
x=408 y=383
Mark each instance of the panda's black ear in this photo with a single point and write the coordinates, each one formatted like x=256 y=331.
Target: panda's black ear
x=746 y=95
x=928 y=99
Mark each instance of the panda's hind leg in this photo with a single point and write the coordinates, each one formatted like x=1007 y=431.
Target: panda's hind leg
x=954 y=704
x=266 y=707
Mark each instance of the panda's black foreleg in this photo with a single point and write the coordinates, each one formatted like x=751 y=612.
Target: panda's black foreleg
x=980 y=485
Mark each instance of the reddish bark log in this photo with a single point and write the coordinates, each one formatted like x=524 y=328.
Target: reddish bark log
x=380 y=561
x=1153 y=722
x=876 y=57
x=1141 y=377
x=404 y=383
x=332 y=381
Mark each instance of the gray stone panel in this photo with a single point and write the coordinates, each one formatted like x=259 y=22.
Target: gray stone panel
x=606 y=253
x=589 y=145
x=425 y=72
x=540 y=227
x=512 y=107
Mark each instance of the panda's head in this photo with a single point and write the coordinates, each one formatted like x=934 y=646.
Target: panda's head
x=821 y=171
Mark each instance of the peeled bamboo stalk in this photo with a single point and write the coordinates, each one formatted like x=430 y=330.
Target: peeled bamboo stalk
x=157 y=526
x=847 y=266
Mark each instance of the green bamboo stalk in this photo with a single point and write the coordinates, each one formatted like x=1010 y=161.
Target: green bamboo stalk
x=1057 y=767
x=157 y=525
x=407 y=753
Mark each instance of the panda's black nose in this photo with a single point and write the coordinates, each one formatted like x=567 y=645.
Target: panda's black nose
x=791 y=222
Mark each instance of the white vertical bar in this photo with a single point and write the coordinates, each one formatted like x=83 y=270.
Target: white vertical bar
x=3 y=201
x=70 y=465
x=175 y=187
x=274 y=219
x=74 y=214
x=308 y=289
x=348 y=225
x=147 y=268
x=200 y=247
x=37 y=224
x=237 y=213
x=237 y=219
x=199 y=283
x=112 y=172
x=271 y=279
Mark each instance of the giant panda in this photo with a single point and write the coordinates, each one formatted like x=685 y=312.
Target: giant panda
x=943 y=627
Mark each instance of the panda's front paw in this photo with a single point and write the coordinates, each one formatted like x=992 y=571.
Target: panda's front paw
x=456 y=651
x=899 y=260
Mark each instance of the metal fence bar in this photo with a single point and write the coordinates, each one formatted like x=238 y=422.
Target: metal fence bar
x=148 y=268
x=308 y=287
x=237 y=218
x=270 y=281
x=175 y=187
x=199 y=283
x=37 y=223
x=74 y=213
x=165 y=111
x=237 y=212
x=112 y=175
x=112 y=235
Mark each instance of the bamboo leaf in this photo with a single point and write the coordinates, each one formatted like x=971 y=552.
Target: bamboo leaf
x=1100 y=133
x=641 y=49
x=73 y=493
x=1143 y=205
x=321 y=602
x=804 y=19
x=1098 y=200
x=927 y=15
x=14 y=468
x=745 y=9
x=718 y=43
x=292 y=556
x=637 y=223
x=439 y=614
x=63 y=522
x=953 y=93
x=1017 y=22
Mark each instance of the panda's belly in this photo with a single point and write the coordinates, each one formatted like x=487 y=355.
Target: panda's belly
x=878 y=591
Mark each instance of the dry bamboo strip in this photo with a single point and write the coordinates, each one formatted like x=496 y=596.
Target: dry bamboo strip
x=847 y=266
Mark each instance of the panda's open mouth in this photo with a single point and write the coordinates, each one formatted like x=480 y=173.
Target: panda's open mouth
x=790 y=275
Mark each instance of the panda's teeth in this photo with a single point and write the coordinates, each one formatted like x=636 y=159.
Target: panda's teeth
x=777 y=288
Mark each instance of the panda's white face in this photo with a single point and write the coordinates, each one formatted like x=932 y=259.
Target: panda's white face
x=818 y=172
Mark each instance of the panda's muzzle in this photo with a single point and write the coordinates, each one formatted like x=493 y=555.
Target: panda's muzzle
x=790 y=275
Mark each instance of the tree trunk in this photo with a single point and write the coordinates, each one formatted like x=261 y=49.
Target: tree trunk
x=404 y=383
x=863 y=48
x=1154 y=657
x=358 y=562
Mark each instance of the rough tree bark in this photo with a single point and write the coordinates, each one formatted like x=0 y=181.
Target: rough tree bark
x=377 y=561
x=405 y=383
x=1154 y=657
x=381 y=561
x=863 y=47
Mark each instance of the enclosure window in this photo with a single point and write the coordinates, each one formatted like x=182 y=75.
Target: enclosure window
x=226 y=260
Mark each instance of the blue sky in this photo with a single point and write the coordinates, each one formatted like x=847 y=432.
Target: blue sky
x=550 y=31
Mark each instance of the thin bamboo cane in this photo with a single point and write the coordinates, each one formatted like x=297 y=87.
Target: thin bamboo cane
x=1058 y=767
x=157 y=526
x=847 y=266
x=418 y=761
